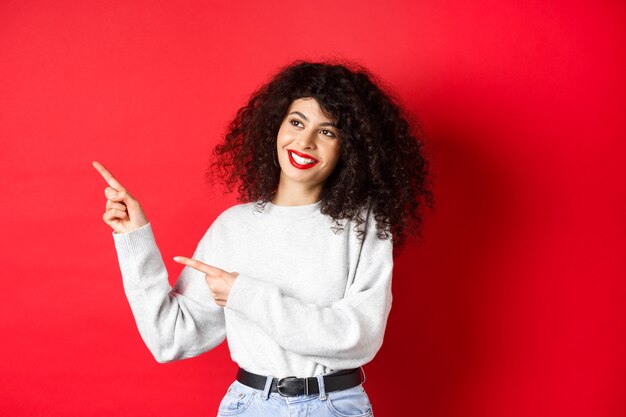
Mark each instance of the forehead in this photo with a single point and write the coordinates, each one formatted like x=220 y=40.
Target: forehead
x=309 y=107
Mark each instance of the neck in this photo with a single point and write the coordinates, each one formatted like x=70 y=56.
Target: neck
x=296 y=194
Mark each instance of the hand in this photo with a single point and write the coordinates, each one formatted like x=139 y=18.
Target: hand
x=218 y=280
x=123 y=212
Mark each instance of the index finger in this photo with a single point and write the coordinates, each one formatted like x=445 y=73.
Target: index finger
x=195 y=264
x=108 y=176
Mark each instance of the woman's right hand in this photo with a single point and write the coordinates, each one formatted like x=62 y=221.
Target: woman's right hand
x=123 y=212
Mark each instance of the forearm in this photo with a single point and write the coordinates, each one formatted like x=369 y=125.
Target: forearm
x=172 y=325
x=345 y=334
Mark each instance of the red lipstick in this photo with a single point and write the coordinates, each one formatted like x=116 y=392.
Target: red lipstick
x=302 y=155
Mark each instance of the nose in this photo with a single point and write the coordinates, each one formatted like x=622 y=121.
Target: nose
x=307 y=141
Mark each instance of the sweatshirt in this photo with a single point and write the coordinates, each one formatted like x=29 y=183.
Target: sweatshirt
x=308 y=299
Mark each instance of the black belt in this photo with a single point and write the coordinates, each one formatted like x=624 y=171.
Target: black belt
x=291 y=386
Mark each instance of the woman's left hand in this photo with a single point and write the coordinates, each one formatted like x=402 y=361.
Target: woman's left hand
x=218 y=280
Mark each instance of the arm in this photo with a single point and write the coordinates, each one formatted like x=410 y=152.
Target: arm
x=345 y=334
x=175 y=323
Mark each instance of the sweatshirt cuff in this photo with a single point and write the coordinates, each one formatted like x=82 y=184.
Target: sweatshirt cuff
x=242 y=292
x=135 y=243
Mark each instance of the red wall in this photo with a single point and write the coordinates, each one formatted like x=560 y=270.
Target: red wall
x=513 y=304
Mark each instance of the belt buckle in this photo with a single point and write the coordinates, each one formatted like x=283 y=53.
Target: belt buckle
x=279 y=385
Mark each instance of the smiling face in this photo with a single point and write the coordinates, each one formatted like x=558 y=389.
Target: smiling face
x=308 y=145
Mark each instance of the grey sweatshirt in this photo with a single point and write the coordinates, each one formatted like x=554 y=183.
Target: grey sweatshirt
x=307 y=300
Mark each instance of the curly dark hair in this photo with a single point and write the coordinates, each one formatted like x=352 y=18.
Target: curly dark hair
x=382 y=164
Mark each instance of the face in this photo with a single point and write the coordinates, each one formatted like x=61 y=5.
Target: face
x=308 y=144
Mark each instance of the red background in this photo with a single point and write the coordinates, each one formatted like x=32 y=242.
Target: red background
x=513 y=304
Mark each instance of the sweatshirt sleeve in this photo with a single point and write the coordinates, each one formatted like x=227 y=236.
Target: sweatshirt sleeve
x=346 y=334
x=175 y=323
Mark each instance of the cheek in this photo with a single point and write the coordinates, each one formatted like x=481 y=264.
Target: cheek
x=336 y=152
x=280 y=138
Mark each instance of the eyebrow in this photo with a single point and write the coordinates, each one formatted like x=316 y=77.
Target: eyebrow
x=305 y=118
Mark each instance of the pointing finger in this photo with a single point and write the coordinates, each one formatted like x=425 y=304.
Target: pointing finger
x=108 y=176
x=195 y=264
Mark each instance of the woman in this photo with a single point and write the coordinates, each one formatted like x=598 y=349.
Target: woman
x=331 y=180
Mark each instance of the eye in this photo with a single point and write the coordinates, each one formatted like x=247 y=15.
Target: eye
x=294 y=120
x=332 y=135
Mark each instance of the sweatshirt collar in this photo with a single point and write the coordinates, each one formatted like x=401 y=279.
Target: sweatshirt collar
x=306 y=210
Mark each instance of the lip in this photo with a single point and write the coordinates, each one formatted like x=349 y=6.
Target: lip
x=302 y=155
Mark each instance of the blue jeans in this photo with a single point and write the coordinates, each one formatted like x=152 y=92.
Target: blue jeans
x=241 y=400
